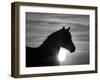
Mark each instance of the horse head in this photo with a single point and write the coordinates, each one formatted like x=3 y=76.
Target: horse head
x=65 y=39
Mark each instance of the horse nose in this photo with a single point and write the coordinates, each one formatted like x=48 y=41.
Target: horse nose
x=73 y=50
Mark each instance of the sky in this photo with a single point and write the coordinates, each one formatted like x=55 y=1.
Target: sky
x=40 y=25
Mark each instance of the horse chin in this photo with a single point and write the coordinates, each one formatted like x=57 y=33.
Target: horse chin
x=72 y=50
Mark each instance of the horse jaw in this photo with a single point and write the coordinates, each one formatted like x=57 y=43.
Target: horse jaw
x=62 y=54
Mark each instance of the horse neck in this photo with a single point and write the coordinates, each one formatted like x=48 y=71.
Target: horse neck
x=50 y=44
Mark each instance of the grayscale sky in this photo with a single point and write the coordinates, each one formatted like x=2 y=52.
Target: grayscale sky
x=40 y=25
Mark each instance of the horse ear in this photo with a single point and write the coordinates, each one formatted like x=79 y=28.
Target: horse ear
x=63 y=27
x=68 y=29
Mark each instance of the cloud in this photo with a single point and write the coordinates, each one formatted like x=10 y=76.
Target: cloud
x=41 y=25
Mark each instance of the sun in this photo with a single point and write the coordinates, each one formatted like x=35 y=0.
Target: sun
x=62 y=54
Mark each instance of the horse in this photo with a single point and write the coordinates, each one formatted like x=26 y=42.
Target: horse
x=46 y=53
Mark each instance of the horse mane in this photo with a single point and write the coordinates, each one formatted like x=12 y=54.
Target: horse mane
x=51 y=39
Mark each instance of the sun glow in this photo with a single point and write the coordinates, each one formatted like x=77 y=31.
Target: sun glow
x=62 y=54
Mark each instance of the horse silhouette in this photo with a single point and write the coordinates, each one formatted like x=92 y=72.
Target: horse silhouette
x=46 y=53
